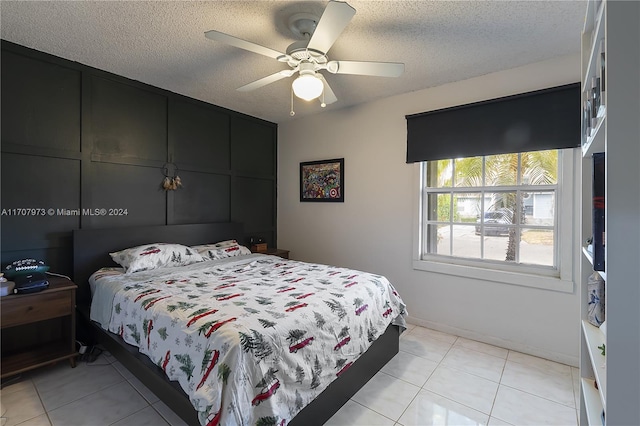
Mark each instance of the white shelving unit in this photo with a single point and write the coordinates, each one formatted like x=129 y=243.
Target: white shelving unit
x=593 y=338
x=611 y=384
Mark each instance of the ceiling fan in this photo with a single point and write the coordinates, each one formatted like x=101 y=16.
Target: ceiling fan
x=308 y=57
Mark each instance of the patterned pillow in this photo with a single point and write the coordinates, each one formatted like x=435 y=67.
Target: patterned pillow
x=152 y=256
x=221 y=250
x=221 y=244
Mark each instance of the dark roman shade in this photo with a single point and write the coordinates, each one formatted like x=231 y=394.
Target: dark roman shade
x=544 y=119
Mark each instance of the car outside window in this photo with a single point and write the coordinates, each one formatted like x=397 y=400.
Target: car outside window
x=500 y=209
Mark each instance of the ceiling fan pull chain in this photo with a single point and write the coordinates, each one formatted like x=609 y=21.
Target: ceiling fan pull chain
x=292 y=112
x=322 y=104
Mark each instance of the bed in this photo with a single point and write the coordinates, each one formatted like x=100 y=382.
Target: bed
x=248 y=339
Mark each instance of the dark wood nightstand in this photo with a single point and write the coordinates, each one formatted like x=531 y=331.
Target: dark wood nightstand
x=38 y=328
x=275 y=252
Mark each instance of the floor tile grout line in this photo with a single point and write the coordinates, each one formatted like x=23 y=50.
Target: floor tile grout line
x=453 y=367
x=502 y=420
x=533 y=356
x=457 y=338
x=460 y=345
x=544 y=373
x=371 y=409
x=83 y=396
x=161 y=414
x=538 y=396
x=46 y=413
x=506 y=359
x=481 y=352
x=436 y=333
x=416 y=326
x=457 y=402
x=446 y=397
x=577 y=396
x=495 y=397
x=419 y=390
x=140 y=393
x=144 y=398
x=132 y=414
x=148 y=404
x=408 y=405
x=465 y=371
x=403 y=411
x=400 y=378
x=451 y=345
x=457 y=368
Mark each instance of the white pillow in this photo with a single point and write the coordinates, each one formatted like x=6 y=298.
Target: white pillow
x=221 y=250
x=157 y=255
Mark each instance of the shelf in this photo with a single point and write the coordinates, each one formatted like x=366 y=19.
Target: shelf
x=592 y=38
x=610 y=51
x=593 y=9
x=38 y=328
x=594 y=338
x=589 y=257
x=596 y=36
x=24 y=360
x=592 y=402
x=595 y=142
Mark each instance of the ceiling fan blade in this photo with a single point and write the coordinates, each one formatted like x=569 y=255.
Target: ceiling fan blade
x=334 y=19
x=328 y=96
x=266 y=80
x=379 y=69
x=242 y=44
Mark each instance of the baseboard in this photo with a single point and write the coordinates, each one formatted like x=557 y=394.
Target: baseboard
x=496 y=341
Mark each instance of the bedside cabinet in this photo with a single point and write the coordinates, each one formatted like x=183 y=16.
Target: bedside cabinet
x=38 y=328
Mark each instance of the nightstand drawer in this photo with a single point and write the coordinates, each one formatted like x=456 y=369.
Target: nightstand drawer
x=25 y=309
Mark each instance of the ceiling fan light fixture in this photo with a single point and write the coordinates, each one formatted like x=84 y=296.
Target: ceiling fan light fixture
x=316 y=33
x=307 y=87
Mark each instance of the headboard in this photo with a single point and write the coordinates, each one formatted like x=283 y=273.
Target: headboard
x=91 y=247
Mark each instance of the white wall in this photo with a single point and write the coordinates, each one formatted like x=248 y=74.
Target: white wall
x=372 y=230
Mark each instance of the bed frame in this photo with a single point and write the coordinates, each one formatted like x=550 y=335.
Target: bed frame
x=91 y=252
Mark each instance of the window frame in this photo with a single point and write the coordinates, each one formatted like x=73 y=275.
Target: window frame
x=556 y=279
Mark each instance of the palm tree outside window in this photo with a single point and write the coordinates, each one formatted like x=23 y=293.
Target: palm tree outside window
x=497 y=208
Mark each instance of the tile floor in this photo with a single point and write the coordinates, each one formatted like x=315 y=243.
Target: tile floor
x=436 y=379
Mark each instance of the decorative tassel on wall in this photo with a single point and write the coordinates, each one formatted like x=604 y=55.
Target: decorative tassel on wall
x=171 y=180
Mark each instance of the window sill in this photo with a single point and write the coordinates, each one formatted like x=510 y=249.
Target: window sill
x=495 y=275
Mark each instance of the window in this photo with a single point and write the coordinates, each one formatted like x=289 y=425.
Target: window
x=497 y=211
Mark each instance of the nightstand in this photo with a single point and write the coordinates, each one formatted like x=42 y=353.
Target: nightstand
x=275 y=252
x=38 y=328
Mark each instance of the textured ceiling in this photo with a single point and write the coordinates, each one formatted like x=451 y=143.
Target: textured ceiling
x=162 y=43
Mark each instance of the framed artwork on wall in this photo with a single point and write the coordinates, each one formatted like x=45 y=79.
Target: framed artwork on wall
x=322 y=181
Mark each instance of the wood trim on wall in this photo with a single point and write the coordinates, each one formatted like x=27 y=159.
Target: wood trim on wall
x=49 y=237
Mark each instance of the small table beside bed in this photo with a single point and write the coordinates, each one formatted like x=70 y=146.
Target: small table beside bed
x=225 y=336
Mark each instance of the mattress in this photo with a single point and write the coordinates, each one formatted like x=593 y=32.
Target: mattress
x=251 y=339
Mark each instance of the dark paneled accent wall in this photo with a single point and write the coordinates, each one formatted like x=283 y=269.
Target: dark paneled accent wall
x=74 y=137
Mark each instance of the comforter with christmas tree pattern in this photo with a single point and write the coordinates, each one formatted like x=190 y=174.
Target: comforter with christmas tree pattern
x=253 y=339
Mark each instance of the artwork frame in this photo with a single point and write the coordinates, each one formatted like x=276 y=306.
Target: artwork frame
x=322 y=181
